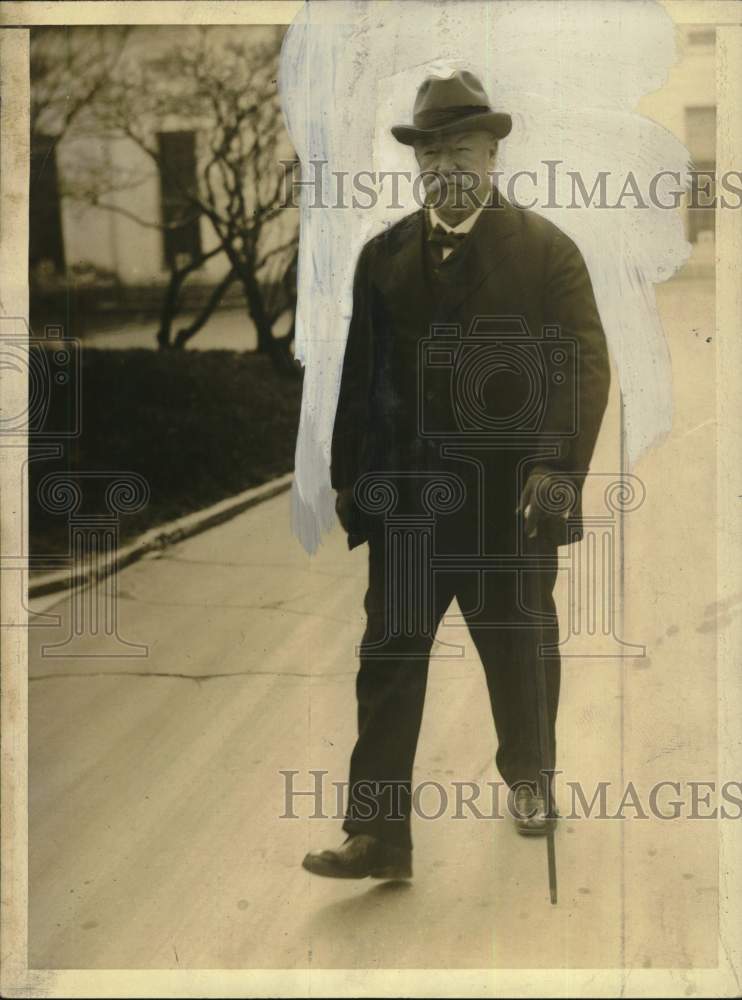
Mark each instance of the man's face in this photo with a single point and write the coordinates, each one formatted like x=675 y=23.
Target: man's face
x=461 y=161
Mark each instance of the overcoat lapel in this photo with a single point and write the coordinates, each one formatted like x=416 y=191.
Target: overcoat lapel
x=493 y=248
x=492 y=243
x=402 y=281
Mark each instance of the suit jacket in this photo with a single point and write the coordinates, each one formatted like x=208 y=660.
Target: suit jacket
x=522 y=281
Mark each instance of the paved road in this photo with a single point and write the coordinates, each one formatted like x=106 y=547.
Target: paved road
x=155 y=784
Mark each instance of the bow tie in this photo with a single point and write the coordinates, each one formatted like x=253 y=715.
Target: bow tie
x=441 y=238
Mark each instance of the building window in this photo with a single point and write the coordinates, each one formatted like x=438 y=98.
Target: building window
x=181 y=234
x=46 y=245
x=702 y=36
x=700 y=131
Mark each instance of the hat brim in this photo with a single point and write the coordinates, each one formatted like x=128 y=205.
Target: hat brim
x=499 y=123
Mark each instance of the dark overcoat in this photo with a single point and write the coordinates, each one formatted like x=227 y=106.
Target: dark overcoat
x=501 y=347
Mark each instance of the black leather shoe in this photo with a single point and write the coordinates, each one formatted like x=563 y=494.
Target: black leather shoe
x=529 y=812
x=359 y=857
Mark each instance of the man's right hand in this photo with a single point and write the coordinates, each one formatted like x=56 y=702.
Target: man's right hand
x=345 y=507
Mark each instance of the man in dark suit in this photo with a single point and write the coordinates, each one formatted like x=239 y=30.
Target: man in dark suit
x=474 y=382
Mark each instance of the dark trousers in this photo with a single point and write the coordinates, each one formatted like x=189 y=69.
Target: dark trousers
x=392 y=679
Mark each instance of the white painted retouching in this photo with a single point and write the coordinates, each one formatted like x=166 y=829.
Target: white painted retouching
x=571 y=74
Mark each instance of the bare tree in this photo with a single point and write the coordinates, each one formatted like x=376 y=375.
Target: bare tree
x=223 y=87
x=68 y=69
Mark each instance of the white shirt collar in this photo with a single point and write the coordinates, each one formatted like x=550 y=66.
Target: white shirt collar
x=463 y=227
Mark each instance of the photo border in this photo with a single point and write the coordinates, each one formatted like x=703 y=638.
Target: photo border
x=16 y=979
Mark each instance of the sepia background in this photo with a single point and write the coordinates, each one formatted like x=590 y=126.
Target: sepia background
x=154 y=769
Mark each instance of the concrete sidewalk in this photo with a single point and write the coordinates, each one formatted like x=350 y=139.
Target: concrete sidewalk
x=156 y=787
x=155 y=771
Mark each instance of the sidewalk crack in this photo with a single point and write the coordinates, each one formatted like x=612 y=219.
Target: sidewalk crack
x=198 y=678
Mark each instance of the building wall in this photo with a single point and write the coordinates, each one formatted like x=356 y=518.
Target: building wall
x=690 y=85
x=114 y=241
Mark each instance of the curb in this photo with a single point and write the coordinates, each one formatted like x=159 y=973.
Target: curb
x=160 y=538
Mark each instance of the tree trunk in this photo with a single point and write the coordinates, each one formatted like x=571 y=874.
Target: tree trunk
x=169 y=308
x=215 y=298
x=277 y=348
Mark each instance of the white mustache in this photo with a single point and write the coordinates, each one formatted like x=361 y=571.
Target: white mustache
x=436 y=182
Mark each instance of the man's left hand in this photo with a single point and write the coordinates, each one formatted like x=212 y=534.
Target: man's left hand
x=547 y=495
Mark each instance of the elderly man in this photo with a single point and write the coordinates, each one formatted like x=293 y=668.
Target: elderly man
x=449 y=376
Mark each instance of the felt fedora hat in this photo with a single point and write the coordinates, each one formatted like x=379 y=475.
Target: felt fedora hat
x=452 y=104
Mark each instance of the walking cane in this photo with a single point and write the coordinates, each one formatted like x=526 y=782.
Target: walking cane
x=534 y=590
